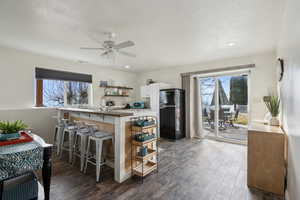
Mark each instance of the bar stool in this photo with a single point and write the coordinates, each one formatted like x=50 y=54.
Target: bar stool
x=70 y=131
x=98 y=139
x=59 y=127
x=79 y=150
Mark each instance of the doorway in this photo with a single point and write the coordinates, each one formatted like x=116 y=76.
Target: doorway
x=224 y=106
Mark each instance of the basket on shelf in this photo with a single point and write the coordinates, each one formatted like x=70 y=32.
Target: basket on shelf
x=141 y=137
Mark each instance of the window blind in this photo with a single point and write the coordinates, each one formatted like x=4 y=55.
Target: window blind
x=42 y=73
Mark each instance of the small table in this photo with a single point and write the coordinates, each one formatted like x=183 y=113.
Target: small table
x=46 y=168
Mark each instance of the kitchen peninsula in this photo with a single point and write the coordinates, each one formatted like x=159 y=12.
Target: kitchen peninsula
x=116 y=122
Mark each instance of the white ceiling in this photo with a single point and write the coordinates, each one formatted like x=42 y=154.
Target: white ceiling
x=166 y=32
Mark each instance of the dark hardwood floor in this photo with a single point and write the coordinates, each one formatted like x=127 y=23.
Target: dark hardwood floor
x=188 y=169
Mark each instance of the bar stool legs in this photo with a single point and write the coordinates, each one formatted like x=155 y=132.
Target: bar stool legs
x=55 y=138
x=98 y=158
x=87 y=155
x=82 y=149
x=58 y=134
x=83 y=142
x=71 y=135
x=99 y=144
x=71 y=147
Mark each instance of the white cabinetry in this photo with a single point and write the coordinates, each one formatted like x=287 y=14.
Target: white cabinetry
x=145 y=91
x=152 y=92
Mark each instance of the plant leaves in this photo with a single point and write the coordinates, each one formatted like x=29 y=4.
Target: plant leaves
x=12 y=127
x=273 y=105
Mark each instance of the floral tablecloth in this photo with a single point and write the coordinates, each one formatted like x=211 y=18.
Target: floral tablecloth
x=20 y=158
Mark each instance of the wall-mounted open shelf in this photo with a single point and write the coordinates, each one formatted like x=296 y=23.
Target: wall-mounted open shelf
x=116 y=91
x=117 y=87
x=113 y=95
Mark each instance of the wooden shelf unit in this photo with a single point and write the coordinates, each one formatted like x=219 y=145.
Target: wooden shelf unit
x=138 y=143
x=143 y=165
x=151 y=153
x=143 y=170
x=142 y=128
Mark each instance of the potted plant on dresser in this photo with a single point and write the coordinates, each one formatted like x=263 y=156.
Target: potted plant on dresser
x=273 y=104
x=11 y=130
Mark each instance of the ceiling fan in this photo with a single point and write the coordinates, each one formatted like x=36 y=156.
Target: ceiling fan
x=110 y=48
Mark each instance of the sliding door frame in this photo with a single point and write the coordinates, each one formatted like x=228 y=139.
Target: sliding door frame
x=216 y=75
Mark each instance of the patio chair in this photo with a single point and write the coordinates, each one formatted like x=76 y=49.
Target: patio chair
x=205 y=116
x=211 y=119
x=222 y=118
x=232 y=120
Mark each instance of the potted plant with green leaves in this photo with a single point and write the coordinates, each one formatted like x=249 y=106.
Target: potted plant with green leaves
x=273 y=105
x=11 y=130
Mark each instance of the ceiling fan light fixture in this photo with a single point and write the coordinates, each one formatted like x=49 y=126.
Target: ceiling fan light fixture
x=110 y=47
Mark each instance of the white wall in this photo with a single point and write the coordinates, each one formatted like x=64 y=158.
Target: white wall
x=263 y=78
x=17 y=76
x=17 y=85
x=289 y=50
x=40 y=119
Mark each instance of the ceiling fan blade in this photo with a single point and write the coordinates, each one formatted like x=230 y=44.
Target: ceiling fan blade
x=127 y=54
x=91 y=48
x=124 y=45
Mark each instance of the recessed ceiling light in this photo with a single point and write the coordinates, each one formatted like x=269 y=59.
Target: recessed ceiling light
x=231 y=44
x=127 y=66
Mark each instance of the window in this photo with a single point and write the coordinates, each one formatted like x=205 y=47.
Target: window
x=57 y=93
x=77 y=93
x=53 y=93
x=59 y=88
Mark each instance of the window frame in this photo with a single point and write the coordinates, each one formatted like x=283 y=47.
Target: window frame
x=39 y=100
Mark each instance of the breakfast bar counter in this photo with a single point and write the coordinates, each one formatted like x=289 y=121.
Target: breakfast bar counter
x=116 y=122
x=90 y=111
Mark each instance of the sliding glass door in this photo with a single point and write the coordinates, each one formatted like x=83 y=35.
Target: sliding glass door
x=207 y=89
x=224 y=104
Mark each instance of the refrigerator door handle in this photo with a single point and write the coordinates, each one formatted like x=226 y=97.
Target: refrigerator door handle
x=168 y=106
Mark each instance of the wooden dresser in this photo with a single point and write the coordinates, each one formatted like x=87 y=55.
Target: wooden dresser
x=266 y=158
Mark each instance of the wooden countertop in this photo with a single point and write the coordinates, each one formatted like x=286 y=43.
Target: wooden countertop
x=110 y=113
x=261 y=127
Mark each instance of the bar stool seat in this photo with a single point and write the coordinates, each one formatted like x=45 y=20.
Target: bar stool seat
x=102 y=134
x=98 y=138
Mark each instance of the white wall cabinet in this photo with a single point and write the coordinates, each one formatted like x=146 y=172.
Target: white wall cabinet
x=145 y=91
x=152 y=92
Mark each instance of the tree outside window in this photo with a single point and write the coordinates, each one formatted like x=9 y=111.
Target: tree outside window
x=77 y=93
x=55 y=92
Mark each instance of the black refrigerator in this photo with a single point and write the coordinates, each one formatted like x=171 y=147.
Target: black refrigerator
x=172 y=113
